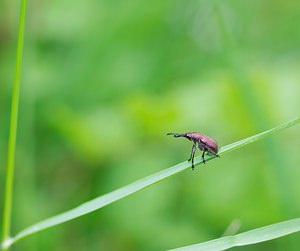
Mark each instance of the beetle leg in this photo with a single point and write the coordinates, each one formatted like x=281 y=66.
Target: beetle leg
x=203 y=157
x=215 y=154
x=192 y=156
x=192 y=152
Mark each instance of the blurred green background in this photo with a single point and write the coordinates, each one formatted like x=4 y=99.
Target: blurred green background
x=104 y=81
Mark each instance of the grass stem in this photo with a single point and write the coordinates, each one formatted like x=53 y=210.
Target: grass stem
x=7 y=210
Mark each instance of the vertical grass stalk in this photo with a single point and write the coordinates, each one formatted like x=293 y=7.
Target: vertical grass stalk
x=13 y=129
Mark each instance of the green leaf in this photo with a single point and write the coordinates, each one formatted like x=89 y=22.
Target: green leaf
x=254 y=236
x=134 y=187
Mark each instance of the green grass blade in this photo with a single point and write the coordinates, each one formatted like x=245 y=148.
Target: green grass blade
x=13 y=127
x=259 y=136
x=102 y=201
x=251 y=237
x=132 y=188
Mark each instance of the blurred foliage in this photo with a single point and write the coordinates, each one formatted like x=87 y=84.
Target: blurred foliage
x=104 y=81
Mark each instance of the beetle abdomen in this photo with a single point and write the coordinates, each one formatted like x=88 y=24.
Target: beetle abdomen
x=210 y=143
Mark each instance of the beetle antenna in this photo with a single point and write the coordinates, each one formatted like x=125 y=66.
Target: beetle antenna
x=176 y=135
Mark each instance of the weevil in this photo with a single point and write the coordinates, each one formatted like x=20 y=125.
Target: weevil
x=204 y=142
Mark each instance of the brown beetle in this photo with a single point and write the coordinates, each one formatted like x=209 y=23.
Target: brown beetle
x=205 y=144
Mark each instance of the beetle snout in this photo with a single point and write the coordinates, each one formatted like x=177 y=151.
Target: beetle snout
x=176 y=135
